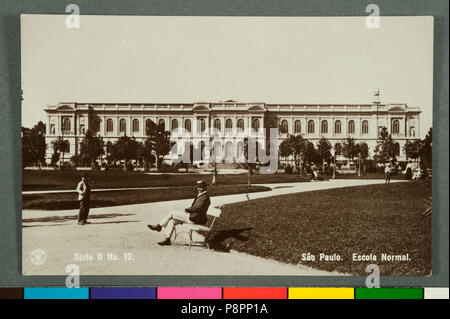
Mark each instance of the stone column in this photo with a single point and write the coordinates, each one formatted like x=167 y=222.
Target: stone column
x=58 y=125
x=103 y=126
x=344 y=127
x=404 y=125
x=389 y=123
x=48 y=127
x=417 y=128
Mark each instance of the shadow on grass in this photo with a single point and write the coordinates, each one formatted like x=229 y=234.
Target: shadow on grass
x=66 y=204
x=61 y=224
x=62 y=219
x=215 y=240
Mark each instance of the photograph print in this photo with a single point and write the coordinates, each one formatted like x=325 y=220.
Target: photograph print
x=163 y=145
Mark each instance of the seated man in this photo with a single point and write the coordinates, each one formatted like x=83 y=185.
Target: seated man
x=196 y=214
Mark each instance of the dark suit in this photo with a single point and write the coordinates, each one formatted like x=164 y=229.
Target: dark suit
x=84 y=197
x=198 y=209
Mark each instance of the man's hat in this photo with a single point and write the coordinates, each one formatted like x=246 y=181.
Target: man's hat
x=201 y=183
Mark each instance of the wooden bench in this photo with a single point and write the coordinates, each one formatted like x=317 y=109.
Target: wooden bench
x=214 y=212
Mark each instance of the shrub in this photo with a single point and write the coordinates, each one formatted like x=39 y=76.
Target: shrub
x=55 y=159
x=288 y=169
x=129 y=167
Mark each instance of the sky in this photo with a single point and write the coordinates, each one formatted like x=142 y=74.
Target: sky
x=125 y=59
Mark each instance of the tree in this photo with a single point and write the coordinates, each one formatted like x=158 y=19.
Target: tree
x=311 y=154
x=250 y=163
x=146 y=151
x=412 y=149
x=91 y=147
x=294 y=145
x=159 y=139
x=284 y=149
x=385 y=149
x=125 y=148
x=349 y=149
x=28 y=155
x=324 y=149
x=59 y=146
x=362 y=150
x=300 y=146
x=426 y=158
x=33 y=144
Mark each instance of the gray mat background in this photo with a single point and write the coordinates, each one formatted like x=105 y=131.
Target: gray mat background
x=10 y=124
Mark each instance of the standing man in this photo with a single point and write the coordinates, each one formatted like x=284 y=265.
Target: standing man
x=408 y=171
x=84 y=196
x=196 y=214
x=364 y=170
x=387 y=173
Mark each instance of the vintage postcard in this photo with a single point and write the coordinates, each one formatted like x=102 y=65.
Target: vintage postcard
x=226 y=145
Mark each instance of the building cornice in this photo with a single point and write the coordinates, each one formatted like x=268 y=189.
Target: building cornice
x=259 y=107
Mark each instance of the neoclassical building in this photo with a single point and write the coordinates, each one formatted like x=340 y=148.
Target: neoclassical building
x=313 y=121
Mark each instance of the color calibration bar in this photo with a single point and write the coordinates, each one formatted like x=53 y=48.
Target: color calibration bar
x=223 y=293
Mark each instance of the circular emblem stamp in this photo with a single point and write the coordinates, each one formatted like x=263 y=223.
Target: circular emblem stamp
x=37 y=257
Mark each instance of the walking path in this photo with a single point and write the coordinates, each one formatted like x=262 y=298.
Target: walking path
x=120 y=237
x=95 y=190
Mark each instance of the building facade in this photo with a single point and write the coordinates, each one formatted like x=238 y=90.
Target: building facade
x=313 y=121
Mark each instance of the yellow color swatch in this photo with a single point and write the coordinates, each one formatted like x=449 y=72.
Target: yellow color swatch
x=321 y=293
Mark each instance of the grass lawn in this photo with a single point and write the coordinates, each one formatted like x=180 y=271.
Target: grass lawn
x=369 y=176
x=60 y=201
x=33 y=180
x=373 y=219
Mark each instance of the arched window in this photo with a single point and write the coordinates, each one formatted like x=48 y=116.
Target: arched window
x=174 y=124
x=135 y=125
x=216 y=151
x=109 y=125
x=324 y=127
x=337 y=127
x=240 y=149
x=217 y=124
x=395 y=127
x=202 y=150
x=229 y=152
x=351 y=127
x=229 y=123
x=337 y=149
x=148 y=125
x=284 y=127
x=365 y=127
x=298 y=127
x=122 y=125
x=66 y=125
x=201 y=125
x=187 y=125
x=240 y=124
x=255 y=124
x=162 y=123
x=97 y=124
x=310 y=126
x=66 y=146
